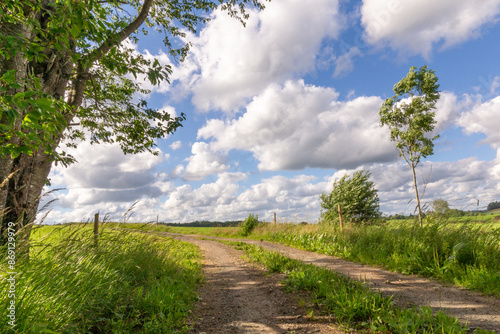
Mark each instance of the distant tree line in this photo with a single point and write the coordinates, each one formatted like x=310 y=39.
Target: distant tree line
x=205 y=223
x=493 y=206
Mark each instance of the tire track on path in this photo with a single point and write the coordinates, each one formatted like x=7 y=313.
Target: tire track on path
x=239 y=298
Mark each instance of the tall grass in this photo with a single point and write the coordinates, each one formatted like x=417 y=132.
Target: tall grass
x=129 y=283
x=465 y=255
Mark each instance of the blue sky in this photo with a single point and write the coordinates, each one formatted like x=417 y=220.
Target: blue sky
x=279 y=110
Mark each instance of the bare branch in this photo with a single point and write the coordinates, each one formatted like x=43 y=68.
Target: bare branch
x=116 y=39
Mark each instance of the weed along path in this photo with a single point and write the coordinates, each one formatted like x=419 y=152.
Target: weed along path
x=239 y=298
x=241 y=295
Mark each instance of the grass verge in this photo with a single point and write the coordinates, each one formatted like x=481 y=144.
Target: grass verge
x=129 y=283
x=349 y=303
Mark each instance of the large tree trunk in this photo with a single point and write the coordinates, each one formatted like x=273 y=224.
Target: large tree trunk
x=25 y=188
x=19 y=63
x=21 y=194
x=23 y=178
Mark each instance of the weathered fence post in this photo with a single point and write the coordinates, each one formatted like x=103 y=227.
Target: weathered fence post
x=274 y=220
x=96 y=228
x=340 y=218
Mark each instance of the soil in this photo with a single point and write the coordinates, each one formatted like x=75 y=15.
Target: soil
x=241 y=298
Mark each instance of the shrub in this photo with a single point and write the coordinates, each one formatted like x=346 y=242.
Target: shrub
x=357 y=197
x=249 y=225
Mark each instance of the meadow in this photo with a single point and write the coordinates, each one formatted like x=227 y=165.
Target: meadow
x=136 y=282
x=129 y=282
x=462 y=252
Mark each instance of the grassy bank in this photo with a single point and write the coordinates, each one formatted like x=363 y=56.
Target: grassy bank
x=349 y=303
x=130 y=283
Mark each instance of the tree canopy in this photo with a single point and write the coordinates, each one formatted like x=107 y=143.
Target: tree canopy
x=440 y=206
x=410 y=117
x=357 y=196
x=66 y=75
x=82 y=42
x=493 y=206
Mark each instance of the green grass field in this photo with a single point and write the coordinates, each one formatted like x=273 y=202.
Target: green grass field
x=465 y=253
x=129 y=283
x=135 y=282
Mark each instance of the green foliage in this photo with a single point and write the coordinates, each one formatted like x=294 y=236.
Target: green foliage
x=409 y=115
x=129 y=281
x=442 y=209
x=440 y=206
x=42 y=117
x=351 y=303
x=357 y=197
x=83 y=41
x=249 y=225
x=493 y=206
x=454 y=213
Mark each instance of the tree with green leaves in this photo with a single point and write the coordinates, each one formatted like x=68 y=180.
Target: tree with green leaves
x=249 y=225
x=410 y=117
x=65 y=75
x=440 y=206
x=357 y=196
x=493 y=206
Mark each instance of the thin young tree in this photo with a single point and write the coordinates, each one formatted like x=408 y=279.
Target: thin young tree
x=410 y=117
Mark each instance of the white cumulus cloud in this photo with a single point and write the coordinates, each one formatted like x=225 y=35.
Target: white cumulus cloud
x=176 y=145
x=483 y=118
x=204 y=161
x=237 y=62
x=297 y=126
x=416 y=26
x=211 y=201
x=106 y=180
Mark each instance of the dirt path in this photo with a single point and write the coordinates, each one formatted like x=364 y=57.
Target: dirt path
x=239 y=298
x=237 y=281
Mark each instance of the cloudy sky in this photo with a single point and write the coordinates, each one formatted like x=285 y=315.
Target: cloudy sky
x=279 y=110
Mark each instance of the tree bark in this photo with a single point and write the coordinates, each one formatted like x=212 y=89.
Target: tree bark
x=417 y=196
x=19 y=63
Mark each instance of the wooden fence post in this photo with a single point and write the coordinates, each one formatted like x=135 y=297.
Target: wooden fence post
x=274 y=220
x=340 y=218
x=96 y=228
